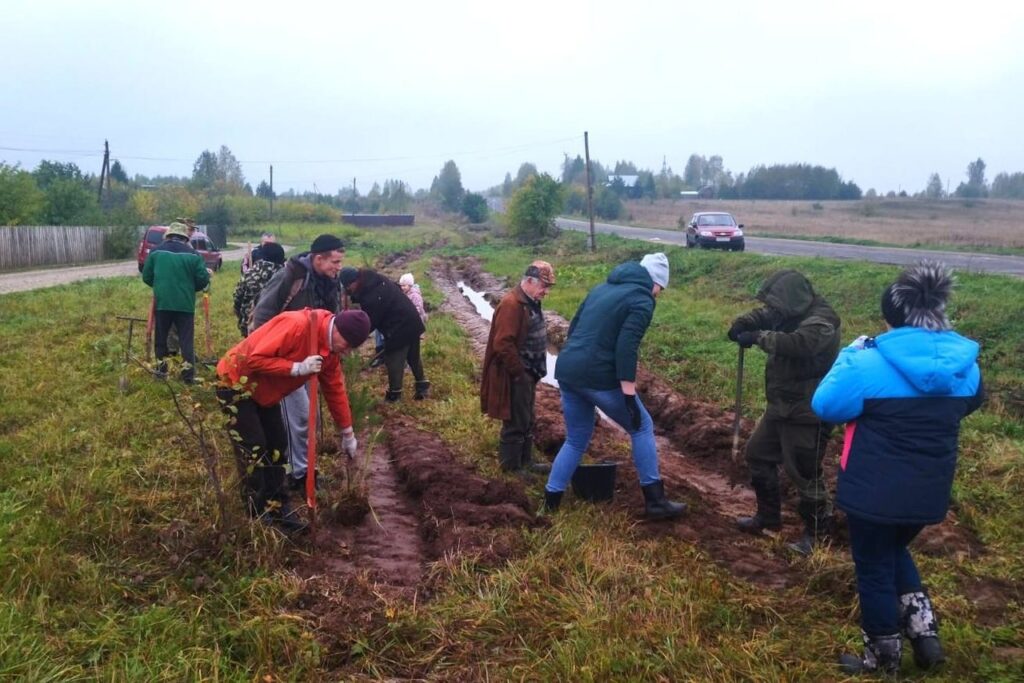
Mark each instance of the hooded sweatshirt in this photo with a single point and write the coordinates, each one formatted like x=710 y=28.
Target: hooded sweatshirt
x=902 y=396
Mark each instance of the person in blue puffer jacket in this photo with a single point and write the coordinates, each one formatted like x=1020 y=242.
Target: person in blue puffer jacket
x=902 y=395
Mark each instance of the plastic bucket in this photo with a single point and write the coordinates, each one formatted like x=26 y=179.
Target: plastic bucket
x=595 y=482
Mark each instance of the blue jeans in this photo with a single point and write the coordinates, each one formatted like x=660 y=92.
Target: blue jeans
x=578 y=410
x=885 y=571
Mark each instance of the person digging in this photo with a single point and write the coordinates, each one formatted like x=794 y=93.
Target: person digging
x=799 y=332
x=258 y=373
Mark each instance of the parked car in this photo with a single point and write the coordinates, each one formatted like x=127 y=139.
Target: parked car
x=714 y=230
x=199 y=240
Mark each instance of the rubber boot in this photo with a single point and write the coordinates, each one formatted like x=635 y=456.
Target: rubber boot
x=393 y=395
x=552 y=500
x=818 y=526
x=769 y=509
x=285 y=520
x=881 y=653
x=422 y=390
x=657 y=506
x=528 y=463
x=920 y=625
x=510 y=456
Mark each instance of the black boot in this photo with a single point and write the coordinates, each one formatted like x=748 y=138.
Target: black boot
x=422 y=390
x=818 y=526
x=393 y=395
x=920 y=625
x=528 y=463
x=769 y=509
x=284 y=519
x=657 y=506
x=510 y=456
x=881 y=653
x=552 y=500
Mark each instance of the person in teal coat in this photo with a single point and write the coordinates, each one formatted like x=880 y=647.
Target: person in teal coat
x=596 y=370
x=175 y=272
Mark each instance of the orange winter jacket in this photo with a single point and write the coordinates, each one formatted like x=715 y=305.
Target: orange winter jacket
x=262 y=362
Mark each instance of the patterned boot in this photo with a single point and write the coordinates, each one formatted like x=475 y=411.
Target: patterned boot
x=881 y=653
x=921 y=627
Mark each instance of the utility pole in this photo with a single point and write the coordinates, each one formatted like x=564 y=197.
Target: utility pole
x=105 y=172
x=590 y=191
x=271 y=192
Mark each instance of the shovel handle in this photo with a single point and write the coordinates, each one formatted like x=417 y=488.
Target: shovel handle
x=314 y=399
x=739 y=405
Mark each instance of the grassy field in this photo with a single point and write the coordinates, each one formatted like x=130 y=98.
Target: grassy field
x=988 y=224
x=115 y=565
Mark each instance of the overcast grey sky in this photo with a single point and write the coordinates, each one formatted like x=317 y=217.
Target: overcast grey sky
x=887 y=92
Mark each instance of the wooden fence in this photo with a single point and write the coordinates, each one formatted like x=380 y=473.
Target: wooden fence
x=26 y=246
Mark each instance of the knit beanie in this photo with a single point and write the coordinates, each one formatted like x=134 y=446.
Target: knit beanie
x=272 y=252
x=918 y=297
x=657 y=266
x=325 y=243
x=407 y=280
x=348 y=275
x=354 y=327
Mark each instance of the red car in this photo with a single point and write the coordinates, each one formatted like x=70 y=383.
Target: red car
x=199 y=240
x=714 y=230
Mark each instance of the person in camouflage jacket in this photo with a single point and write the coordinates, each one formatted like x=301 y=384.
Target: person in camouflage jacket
x=799 y=332
x=247 y=291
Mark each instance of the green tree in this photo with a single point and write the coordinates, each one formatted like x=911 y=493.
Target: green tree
x=21 y=200
x=607 y=203
x=117 y=172
x=1008 y=186
x=934 y=188
x=204 y=170
x=693 y=174
x=533 y=208
x=70 y=202
x=448 y=187
x=526 y=171
x=49 y=172
x=263 y=190
x=506 y=186
x=395 y=196
x=474 y=207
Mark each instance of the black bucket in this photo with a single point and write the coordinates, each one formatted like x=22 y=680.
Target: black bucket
x=595 y=482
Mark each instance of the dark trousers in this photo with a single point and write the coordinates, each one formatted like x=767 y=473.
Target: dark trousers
x=259 y=438
x=885 y=571
x=395 y=361
x=518 y=429
x=799 y=448
x=184 y=325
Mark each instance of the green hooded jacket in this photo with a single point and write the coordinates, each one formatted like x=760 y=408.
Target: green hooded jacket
x=800 y=334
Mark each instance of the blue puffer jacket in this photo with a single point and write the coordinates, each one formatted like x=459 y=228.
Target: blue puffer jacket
x=605 y=334
x=903 y=396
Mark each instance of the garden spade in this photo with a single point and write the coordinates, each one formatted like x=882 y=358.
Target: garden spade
x=739 y=407
x=314 y=399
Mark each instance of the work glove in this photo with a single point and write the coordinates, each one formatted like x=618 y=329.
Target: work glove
x=633 y=408
x=734 y=332
x=310 y=366
x=348 y=441
x=747 y=339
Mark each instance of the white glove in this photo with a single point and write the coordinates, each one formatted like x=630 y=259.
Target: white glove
x=858 y=343
x=310 y=366
x=348 y=442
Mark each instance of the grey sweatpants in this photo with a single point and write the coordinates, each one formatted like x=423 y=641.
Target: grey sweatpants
x=295 y=412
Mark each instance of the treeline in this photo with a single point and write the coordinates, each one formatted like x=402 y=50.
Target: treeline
x=1004 y=185
x=56 y=193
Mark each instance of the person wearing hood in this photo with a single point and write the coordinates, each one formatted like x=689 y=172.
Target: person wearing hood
x=902 y=396
x=308 y=280
x=596 y=370
x=394 y=315
x=799 y=332
x=269 y=260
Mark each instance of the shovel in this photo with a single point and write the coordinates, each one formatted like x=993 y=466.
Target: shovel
x=739 y=407
x=314 y=399
x=149 y=329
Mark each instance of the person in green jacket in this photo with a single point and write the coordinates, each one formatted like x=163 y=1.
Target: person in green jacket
x=799 y=332
x=596 y=370
x=175 y=272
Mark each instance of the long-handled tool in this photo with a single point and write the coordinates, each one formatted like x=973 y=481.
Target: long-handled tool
x=739 y=407
x=210 y=358
x=314 y=400
x=122 y=383
x=149 y=329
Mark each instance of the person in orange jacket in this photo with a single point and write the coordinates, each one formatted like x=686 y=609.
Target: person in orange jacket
x=259 y=372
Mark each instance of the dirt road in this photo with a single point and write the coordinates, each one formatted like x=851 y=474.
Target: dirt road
x=960 y=260
x=51 y=277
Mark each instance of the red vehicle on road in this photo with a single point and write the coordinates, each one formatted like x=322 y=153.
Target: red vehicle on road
x=714 y=230
x=199 y=241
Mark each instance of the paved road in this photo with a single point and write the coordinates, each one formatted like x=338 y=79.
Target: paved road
x=959 y=260
x=51 y=277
